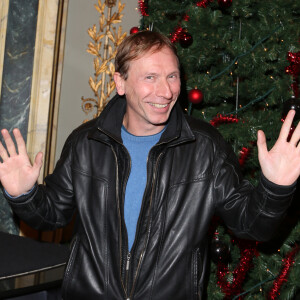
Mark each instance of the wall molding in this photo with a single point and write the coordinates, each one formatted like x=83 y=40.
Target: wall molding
x=41 y=80
x=4 y=5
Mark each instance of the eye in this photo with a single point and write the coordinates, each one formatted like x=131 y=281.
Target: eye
x=173 y=76
x=149 y=77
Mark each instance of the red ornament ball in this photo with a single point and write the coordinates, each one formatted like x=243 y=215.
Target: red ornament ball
x=185 y=40
x=224 y=3
x=134 y=30
x=195 y=96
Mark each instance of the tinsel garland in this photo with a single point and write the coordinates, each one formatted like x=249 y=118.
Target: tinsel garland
x=294 y=70
x=220 y=119
x=203 y=3
x=143 y=6
x=288 y=262
x=248 y=249
x=186 y=17
x=294 y=59
x=244 y=154
x=175 y=36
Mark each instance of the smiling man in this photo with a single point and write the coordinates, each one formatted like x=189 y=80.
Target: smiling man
x=151 y=86
x=145 y=180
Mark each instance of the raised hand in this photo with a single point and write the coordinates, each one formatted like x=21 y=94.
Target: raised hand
x=17 y=174
x=281 y=164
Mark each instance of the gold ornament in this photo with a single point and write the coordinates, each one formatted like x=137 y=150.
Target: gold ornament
x=110 y=3
x=104 y=48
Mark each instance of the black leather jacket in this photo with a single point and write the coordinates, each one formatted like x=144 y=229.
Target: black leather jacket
x=192 y=175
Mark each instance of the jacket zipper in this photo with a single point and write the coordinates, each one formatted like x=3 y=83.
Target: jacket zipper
x=148 y=226
x=127 y=271
x=195 y=266
x=128 y=257
x=120 y=226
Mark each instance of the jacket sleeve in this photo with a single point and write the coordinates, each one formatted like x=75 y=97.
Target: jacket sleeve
x=49 y=206
x=250 y=212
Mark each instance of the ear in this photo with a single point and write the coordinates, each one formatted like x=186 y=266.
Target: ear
x=120 y=83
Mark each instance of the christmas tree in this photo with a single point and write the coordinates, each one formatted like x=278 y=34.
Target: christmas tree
x=240 y=65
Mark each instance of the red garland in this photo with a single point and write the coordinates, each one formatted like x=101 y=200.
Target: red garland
x=294 y=57
x=244 y=154
x=143 y=5
x=175 y=36
x=294 y=70
x=186 y=17
x=203 y=3
x=288 y=261
x=247 y=252
x=220 y=119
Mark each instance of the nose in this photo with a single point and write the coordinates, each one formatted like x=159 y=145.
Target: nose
x=163 y=89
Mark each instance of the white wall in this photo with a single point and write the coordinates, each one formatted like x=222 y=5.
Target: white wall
x=78 y=64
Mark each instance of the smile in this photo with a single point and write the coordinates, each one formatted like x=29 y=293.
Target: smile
x=158 y=105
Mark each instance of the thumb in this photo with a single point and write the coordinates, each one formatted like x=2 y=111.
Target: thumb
x=261 y=144
x=38 y=162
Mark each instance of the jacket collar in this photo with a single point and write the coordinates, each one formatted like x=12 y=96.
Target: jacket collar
x=111 y=119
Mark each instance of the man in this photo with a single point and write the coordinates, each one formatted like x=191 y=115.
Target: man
x=145 y=181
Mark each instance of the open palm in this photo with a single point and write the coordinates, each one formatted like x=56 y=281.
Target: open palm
x=281 y=165
x=17 y=174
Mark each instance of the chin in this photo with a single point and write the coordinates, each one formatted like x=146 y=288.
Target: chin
x=160 y=119
x=160 y=122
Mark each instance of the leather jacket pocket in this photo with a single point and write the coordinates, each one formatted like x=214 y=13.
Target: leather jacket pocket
x=68 y=271
x=197 y=268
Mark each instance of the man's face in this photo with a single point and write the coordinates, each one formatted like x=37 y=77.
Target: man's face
x=151 y=90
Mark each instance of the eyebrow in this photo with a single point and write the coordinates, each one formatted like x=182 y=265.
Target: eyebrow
x=154 y=73
x=175 y=72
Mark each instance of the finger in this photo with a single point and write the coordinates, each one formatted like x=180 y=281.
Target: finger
x=20 y=141
x=287 y=124
x=10 y=146
x=296 y=135
x=3 y=152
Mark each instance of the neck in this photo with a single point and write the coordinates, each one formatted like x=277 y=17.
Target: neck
x=151 y=129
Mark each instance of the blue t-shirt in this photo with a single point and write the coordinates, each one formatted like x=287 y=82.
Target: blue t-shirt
x=138 y=148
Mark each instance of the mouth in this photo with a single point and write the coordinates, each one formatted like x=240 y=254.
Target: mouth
x=157 y=105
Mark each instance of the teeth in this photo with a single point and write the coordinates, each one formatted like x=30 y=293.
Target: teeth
x=158 y=105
